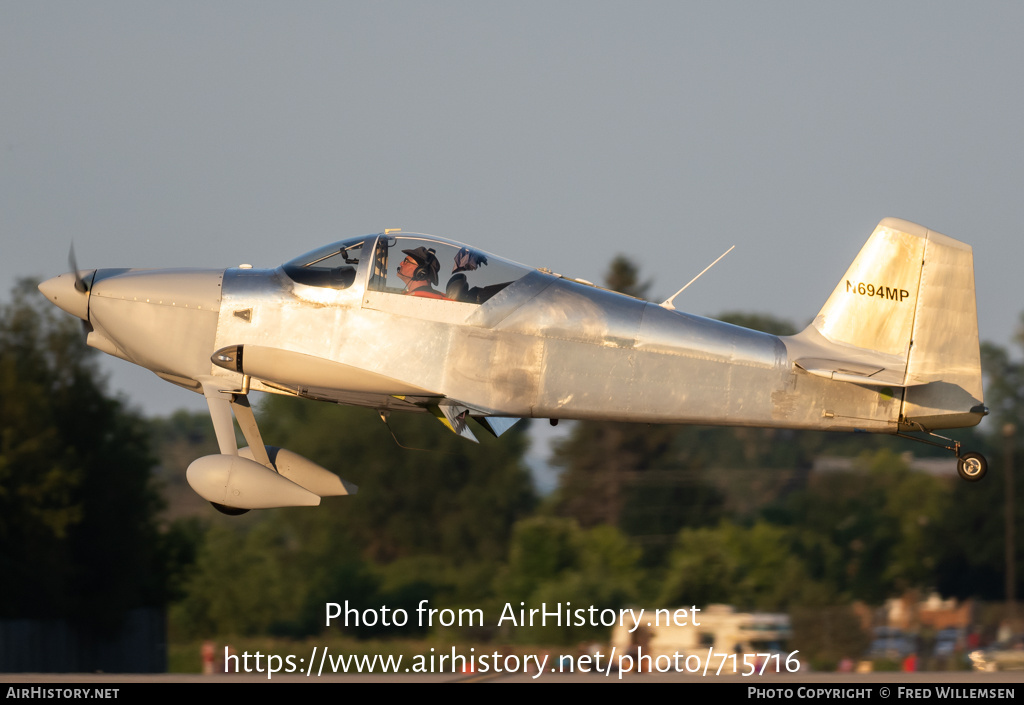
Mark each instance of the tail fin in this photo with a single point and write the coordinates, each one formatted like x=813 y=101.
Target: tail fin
x=905 y=316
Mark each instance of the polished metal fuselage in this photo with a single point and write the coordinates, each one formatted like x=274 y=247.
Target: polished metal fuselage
x=550 y=347
x=545 y=347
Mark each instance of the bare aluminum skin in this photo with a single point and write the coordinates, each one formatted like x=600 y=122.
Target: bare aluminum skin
x=551 y=347
x=895 y=348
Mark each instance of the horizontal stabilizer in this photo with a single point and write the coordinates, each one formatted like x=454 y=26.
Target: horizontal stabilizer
x=846 y=371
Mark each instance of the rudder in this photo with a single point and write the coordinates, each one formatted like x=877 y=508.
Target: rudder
x=944 y=384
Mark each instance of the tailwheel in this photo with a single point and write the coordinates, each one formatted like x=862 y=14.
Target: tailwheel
x=971 y=466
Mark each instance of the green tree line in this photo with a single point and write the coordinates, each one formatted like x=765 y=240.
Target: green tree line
x=663 y=515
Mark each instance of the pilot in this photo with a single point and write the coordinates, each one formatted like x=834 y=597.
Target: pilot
x=419 y=270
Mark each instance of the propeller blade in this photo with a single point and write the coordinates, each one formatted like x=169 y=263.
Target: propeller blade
x=80 y=284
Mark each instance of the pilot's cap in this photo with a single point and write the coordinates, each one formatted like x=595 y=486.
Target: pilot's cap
x=426 y=258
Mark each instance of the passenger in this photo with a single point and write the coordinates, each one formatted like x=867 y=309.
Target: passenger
x=466 y=260
x=419 y=270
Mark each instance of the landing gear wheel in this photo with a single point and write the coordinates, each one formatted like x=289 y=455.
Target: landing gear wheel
x=971 y=466
x=230 y=511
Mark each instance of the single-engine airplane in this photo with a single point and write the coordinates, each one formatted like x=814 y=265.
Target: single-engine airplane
x=894 y=350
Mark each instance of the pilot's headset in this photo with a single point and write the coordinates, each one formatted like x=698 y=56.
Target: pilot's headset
x=427 y=264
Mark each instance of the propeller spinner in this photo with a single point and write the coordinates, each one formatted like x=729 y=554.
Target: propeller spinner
x=70 y=291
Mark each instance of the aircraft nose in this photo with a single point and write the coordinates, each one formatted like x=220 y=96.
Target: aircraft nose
x=61 y=292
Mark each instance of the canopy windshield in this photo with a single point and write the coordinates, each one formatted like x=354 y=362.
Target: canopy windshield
x=451 y=270
x=332 y=266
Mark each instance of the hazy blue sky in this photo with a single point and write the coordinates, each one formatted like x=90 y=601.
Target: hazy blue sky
x=556 y=134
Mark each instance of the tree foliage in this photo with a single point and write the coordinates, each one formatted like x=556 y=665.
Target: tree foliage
x=972 y=561
x=452 y=498
x=1004 y=388
x=874 y=527
x=751 y=568
x=764 y=322
x=624 y=276
x=77 y=511
x=426 y=524
x=642 y=479
x=553 y=561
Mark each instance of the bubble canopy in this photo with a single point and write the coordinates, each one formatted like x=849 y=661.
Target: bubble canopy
x=460 y=272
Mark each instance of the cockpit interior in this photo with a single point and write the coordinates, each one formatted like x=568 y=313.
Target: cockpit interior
x=454 y=272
